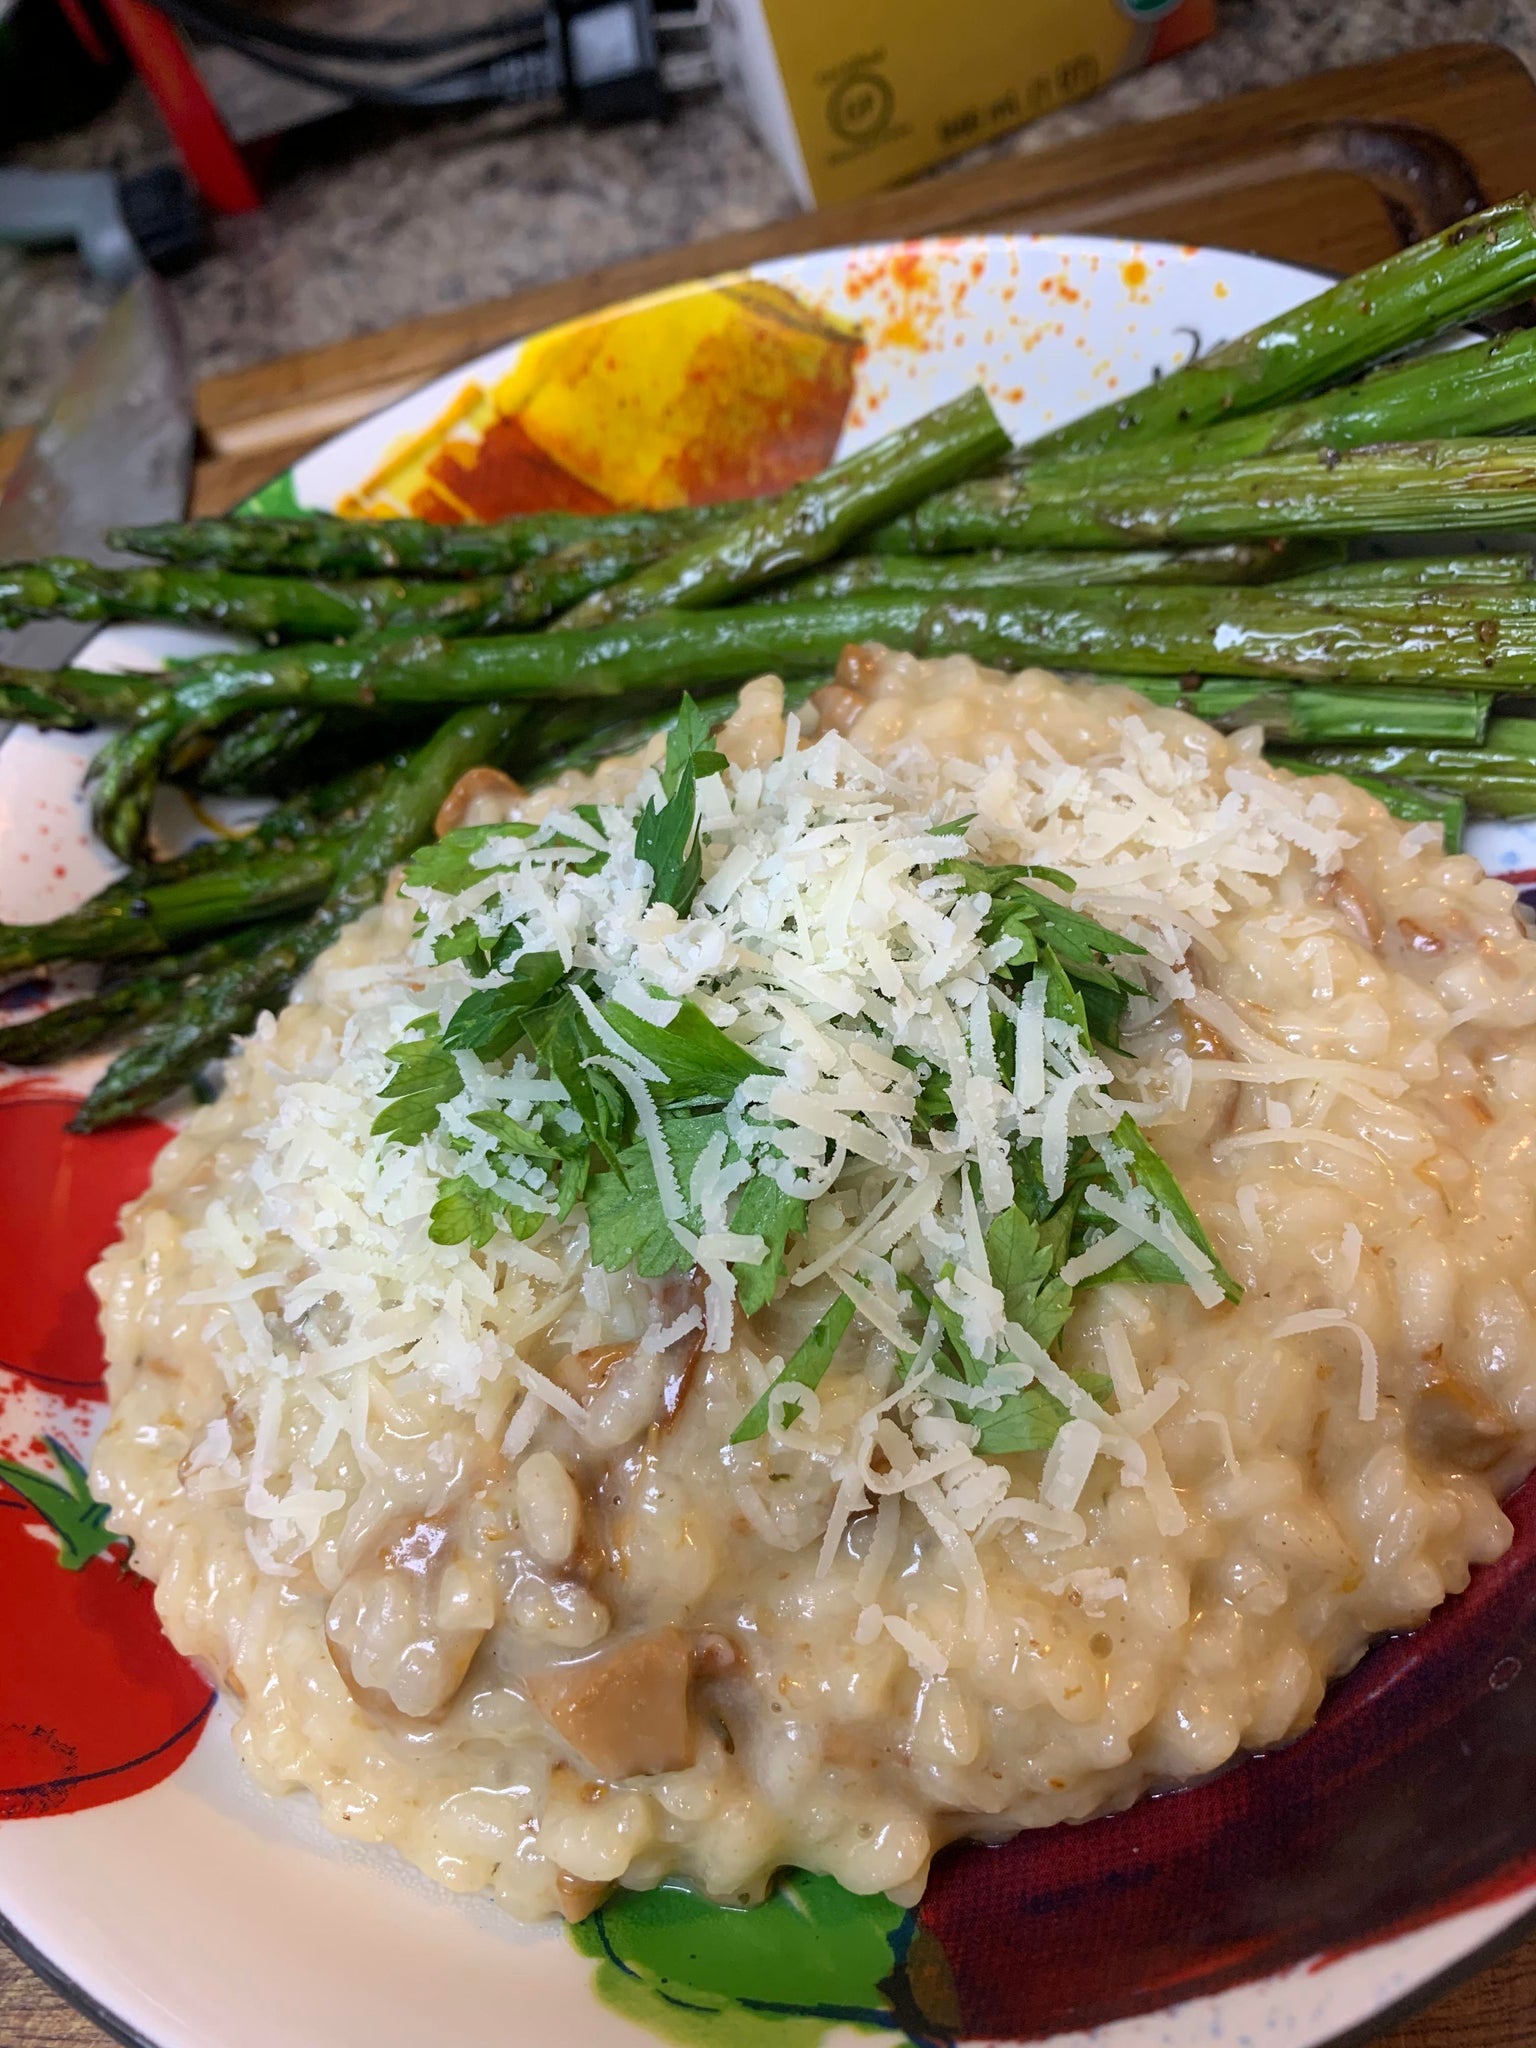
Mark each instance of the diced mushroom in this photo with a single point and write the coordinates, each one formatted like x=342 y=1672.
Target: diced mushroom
x=675 y=1296
x=1345 y=893
x=407 y=1622
x=586 y=1373
x=624 y=1711
x=1199 y=1038
x=838 y=706
x=1216 y=1106
x=714 y=1654
x=858 y=665
x=625 y=1387
x=1455 y=1425
x=1417 y=938
x=481 y=796
x=579 y=1896
x=1477 y=1107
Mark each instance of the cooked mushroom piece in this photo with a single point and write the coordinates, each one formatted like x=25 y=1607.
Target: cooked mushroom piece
x=579 y=1896
x=1457 y=1426
x=624 y=1711
x=1357 y=906
x=1419 y=938
x=626 y=1388
x=481 y=796
x=407 y=1621
x=675 y=1296
x=839 y=706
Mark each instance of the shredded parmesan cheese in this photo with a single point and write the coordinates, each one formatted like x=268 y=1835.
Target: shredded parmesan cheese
x=828 y=941
x=1335 y=1319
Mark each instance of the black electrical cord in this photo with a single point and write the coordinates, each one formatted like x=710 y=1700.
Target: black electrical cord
x=521 y=72
x=523 y=59
x=232 y=20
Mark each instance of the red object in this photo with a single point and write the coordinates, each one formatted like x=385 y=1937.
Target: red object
x=59 y=1198
x=506 y=472
x=211 y=155
x=86 y=33
x=95 y=1705
x=1414 y=1796
x=1182 y=29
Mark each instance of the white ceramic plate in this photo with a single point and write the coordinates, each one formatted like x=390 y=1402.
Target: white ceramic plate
x=197 y=1913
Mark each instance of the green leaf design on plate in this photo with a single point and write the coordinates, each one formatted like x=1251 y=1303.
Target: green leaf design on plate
x=276 y=500
x=778 y=1975
x=78 y=1520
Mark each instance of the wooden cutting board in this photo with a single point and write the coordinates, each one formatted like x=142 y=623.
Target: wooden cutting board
x=1334 y=171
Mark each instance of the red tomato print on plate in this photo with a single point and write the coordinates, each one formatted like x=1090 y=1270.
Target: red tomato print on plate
x=94 y=1703
x=59 y=1198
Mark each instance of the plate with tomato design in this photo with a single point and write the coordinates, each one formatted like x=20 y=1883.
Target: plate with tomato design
x=1298 y=1897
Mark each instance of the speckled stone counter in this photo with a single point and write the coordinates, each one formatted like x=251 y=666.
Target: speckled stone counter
x=439 y=213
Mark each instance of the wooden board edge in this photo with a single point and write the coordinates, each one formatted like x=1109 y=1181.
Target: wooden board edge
x=316 y=391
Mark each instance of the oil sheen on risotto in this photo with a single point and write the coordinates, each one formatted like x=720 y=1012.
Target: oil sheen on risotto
x=461 y=1529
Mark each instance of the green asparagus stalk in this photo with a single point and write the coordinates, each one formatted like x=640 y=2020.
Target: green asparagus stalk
x=1513 y=735
x=69 y=700
x=1498 y=780
x=156 y=986
x=319 y=544
x=293 y=607
x=19 y=702
x=1239 y=633
x=662 y=655
x=326 y=809
x=553 y=583
x=175 y=1048
x=332 y=807
x=658 y=657
x=1493 y=785
x=123 y=777
x=246 y=756
x=1265 y=561
x=1134 y=630
x=1476 y=267
x=1404 y=800
x=814 y=519
x=1488 y=387
x=1394 y=575
x=1323 y=715
x=303 y=608
x=1149 y=631
x=169 y=914
x=1412 y=487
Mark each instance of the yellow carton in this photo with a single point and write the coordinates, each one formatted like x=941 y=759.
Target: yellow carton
x=853 y=95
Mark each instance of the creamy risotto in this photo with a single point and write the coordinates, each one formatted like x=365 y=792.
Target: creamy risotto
x=521 y=1555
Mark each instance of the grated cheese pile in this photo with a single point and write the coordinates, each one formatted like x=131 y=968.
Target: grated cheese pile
x=824 y=941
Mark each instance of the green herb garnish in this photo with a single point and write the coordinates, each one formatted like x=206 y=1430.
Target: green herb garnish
x=426 y=1076
x=698 y=1060
x=667 y=838
x=630 y=1227
x=805 y=1369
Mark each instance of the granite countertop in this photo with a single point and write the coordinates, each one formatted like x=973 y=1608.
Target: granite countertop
x=436 y=214
x=401 y=217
